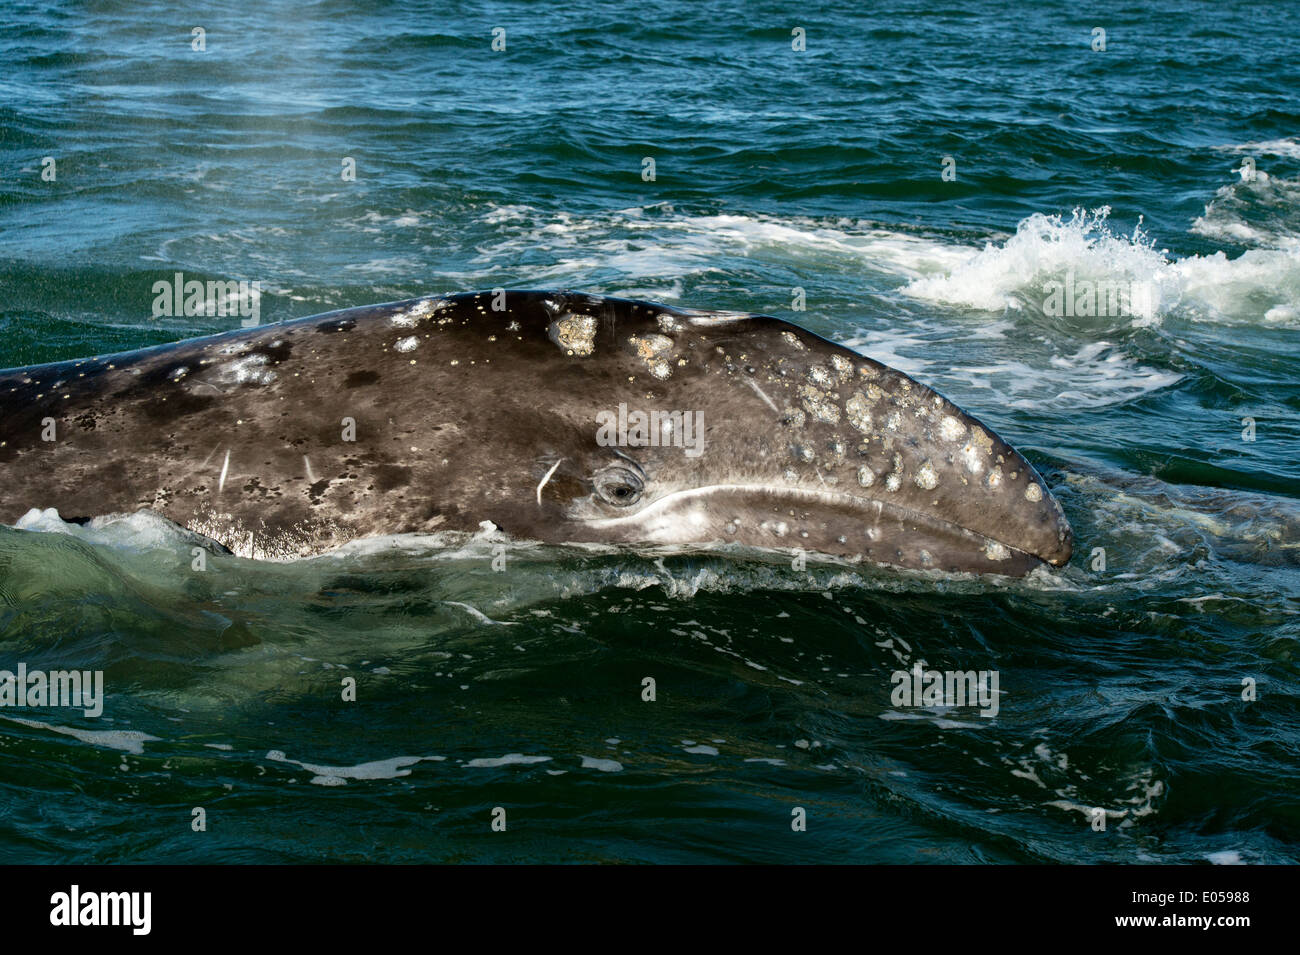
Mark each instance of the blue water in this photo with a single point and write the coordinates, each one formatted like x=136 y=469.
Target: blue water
x=1169 y=162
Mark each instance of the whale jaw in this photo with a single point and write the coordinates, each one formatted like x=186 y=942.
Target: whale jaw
x=826 y=522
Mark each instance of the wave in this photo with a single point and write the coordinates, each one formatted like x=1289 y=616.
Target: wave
x=1049 y=252
x=657 y=247
x=1260 y=210
x=1287 y=147
x=657 y=251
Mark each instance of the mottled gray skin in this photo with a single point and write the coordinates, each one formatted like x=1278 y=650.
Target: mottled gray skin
x=465 y=414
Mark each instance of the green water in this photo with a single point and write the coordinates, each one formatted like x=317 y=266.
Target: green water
x=1121 y=676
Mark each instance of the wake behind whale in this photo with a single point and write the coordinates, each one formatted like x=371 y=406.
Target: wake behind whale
x=560 y=417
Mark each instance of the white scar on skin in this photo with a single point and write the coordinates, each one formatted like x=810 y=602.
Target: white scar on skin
x=759 y=391
x=545 y=479
x=225 y=468
x=311 y=476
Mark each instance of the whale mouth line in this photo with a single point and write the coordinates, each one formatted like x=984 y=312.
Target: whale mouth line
x=861 y=507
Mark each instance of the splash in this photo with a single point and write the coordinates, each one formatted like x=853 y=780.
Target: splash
x=1049 y=253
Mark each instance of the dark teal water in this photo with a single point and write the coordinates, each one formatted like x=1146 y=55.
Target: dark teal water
x=775 y=169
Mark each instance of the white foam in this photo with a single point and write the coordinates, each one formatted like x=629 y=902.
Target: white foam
x=1287 y=147
x=604 y=765
x=129 y=741
x=143 y=530
x=510 y=759
x=1226 y=857
x=702 y=750
x=889 y=346
x=445 y=545
x=940 y=722
x=646 y=252
x=339 y=775
x=1262 y=212
x=1096 y=374
x=1045 y=249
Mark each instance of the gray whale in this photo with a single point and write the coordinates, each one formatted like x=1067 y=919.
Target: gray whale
x=557 y=416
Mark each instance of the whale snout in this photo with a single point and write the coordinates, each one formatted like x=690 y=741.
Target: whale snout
x=1000 y=534
x=1051 y=538
x=842 y=455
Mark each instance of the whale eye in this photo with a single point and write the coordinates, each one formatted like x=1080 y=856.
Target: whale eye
x=619 y=486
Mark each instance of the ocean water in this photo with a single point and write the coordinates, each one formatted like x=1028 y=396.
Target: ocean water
x=1153 y=682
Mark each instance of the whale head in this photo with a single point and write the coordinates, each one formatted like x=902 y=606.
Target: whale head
x=557 y=416
x=645 y=424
